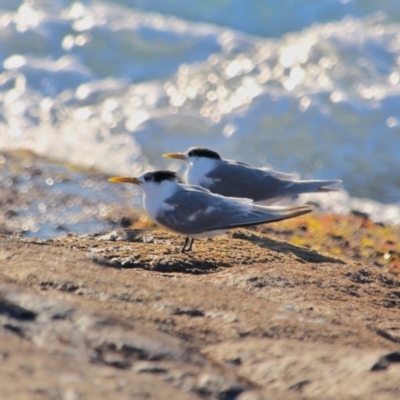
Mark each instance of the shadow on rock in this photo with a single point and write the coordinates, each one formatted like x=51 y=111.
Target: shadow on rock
x=303 y=254
x=157 y=250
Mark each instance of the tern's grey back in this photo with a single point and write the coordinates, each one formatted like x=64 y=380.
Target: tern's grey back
x=241 y=180
x=233 y=179
x=194 y=211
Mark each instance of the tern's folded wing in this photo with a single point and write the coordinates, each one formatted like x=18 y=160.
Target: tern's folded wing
x=192 y=212
x=237 y=180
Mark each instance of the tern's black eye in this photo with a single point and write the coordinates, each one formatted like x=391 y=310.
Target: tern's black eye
x=147 y=178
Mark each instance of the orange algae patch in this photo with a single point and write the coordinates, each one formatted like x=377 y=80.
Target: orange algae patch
x=349 y=236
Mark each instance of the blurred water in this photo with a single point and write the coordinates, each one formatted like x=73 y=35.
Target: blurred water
x=42 y=198
x=305 y=86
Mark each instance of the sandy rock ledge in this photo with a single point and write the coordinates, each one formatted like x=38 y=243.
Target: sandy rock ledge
x=124 y=315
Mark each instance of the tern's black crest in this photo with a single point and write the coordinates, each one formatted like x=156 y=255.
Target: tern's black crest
x=160 y=176
x=201 y=152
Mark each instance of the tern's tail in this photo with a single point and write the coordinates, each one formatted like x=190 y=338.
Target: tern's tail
x=279 y=213
x=289 y=188
x=314 y=186
x=262 y=215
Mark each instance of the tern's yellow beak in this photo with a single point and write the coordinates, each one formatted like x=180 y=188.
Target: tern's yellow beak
x=178 y=156
x=121 y=179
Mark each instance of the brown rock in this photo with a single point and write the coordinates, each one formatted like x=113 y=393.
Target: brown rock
x=124 y=315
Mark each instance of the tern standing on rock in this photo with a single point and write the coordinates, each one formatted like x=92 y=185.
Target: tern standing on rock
x=235 y=179
x=195 y=212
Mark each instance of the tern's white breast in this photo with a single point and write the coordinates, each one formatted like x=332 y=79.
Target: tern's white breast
x=198 y=168
x=155 y=196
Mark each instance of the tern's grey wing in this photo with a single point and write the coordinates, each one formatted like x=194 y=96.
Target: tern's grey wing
x=196 y=211
x=191 y=212
x=237 y=163
x=267 y=171
x=278 y=174
x=237 y=180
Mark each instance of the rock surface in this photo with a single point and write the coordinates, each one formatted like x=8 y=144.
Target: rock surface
x=123 y=315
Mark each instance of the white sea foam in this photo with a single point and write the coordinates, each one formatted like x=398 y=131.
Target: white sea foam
x=113 y=87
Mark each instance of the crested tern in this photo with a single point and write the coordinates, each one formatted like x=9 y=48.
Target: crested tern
x=195 y=212
x=236 y=179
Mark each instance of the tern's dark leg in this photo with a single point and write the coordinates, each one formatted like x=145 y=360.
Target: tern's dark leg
x=187 y=245
x=184 y=245
x=191 y=240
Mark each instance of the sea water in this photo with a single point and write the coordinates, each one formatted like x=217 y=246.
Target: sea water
x=305 y=86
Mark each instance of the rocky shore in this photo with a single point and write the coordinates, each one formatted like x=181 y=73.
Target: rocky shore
x=304 y=309
x=123 y=315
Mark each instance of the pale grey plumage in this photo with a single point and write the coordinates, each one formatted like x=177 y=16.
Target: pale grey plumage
x=194 y=210
x=234 y=179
